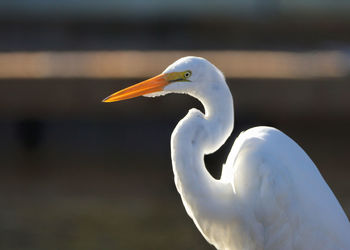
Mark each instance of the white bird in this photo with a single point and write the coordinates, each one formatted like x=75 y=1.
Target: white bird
x=270 y=195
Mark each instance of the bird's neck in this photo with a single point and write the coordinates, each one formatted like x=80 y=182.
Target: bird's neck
x=198 y=134
x=219 y=116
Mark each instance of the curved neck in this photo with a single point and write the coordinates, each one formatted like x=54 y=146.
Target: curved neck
x=219 y=116
x=195 y=135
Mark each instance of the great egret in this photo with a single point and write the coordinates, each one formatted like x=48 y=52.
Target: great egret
x=270 y=194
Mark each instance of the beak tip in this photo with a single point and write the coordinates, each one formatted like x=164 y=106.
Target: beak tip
x=107 y=99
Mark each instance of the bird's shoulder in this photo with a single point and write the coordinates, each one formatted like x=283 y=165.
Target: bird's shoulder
x=258 y=161
x=255 y=142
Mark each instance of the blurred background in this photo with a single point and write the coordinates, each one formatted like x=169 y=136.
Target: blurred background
x=80 y=174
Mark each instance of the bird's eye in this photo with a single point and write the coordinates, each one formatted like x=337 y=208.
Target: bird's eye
x=187 y=74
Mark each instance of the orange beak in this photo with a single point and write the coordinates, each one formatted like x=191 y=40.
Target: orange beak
x=151 y=85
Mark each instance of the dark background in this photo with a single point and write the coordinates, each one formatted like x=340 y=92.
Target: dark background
x=80 y=174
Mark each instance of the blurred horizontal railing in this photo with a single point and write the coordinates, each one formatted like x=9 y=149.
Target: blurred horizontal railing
x=139 y=64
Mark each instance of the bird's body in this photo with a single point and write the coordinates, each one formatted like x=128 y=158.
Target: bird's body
x=286 y=202
x=270 y=194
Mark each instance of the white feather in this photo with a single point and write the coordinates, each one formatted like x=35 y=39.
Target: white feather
x=270 y=196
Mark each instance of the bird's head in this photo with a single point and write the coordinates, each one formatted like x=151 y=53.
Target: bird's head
x=189 y=75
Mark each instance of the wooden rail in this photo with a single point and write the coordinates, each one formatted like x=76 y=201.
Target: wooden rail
x=140 y=64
